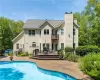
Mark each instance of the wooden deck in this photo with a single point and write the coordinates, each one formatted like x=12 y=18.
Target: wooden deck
x=47 y=56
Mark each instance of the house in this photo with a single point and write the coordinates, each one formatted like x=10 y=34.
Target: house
x=53 y=34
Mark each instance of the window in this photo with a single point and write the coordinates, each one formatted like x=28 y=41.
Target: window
x=31 y=32
x=62 y=31
x=33 y=44
x=73 y=31
x=17 y=46
x=62 y=45
x=47 y=45
x=46 y=31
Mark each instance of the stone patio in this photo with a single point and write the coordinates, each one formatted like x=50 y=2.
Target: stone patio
x=64 y=66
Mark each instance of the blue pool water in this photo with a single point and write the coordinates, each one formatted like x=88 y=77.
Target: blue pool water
x=23 y=70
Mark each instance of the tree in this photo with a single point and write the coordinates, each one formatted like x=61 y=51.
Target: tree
x=8 y=30
x=89 y=21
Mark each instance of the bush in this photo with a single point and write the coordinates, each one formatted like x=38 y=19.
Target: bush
x=10 y=54
x=83 y=50
x=31 y=55
x=23 y=54
x=69 y=49
x=61 y=54
x=90 y=64
x=71 y=57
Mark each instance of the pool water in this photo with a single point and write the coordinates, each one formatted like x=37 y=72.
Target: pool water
x=23 y=70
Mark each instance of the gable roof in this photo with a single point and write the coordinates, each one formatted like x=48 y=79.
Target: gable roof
x=35 y=23
x=76 y=24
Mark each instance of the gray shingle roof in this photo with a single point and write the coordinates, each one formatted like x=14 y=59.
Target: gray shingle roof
x=34 y=23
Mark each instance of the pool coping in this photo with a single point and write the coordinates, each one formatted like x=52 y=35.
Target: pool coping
x=41 y=68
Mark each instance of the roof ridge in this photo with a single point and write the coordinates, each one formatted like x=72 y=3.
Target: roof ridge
x=46 y=19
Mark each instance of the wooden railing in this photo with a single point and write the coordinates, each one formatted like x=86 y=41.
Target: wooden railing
x=54 y=36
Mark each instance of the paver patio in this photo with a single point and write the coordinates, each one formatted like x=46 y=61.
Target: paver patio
x=70 y=68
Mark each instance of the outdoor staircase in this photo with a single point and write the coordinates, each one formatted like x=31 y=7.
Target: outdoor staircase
x=47 y=57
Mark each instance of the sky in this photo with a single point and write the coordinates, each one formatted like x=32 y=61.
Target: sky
x=39 y=9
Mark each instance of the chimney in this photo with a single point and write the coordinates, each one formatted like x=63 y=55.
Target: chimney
x=68 y=17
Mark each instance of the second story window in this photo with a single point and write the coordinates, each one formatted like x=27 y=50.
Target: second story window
x=46 y=31
x=62 y=31
x=73 y=31
x=31 y=32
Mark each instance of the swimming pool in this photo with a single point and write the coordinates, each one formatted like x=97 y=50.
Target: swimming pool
x=24 y=70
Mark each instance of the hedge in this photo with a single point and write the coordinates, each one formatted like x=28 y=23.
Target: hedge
x=69 y=49
x=83 y=50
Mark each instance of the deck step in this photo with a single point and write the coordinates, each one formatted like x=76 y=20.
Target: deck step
x=47 y=57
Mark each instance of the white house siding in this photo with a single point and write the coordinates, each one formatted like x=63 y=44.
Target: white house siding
x=19 y=40
x=46 y=38
x=31 y=38
x=61 y=37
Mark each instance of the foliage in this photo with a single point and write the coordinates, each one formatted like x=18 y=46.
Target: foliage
x=69 y=49
x=31 y=55
x=71 y=57
x=90 y=64
x=8 y=30
x=10 y=54
x=1 y=52
x=89 y=21
x=61 y=53
x=23 y=54
x=83 y=50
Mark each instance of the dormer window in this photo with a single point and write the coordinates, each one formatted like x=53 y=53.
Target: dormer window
x=46 y=31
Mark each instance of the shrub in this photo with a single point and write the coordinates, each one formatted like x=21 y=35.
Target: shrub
x=69 y=49
x=10 y=54
x=23 y=54
x=71 y=57
x=90 y=64
x=83 y=50
x=61 y=54
x=31 y=55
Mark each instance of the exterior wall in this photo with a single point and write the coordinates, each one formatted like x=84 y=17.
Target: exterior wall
x=32 y=38
x=38 y=38
x=61 y=37
x=46 y=38
x=68 y=29
x=20 y=41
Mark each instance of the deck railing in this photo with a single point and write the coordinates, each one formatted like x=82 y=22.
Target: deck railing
x=54 y=36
